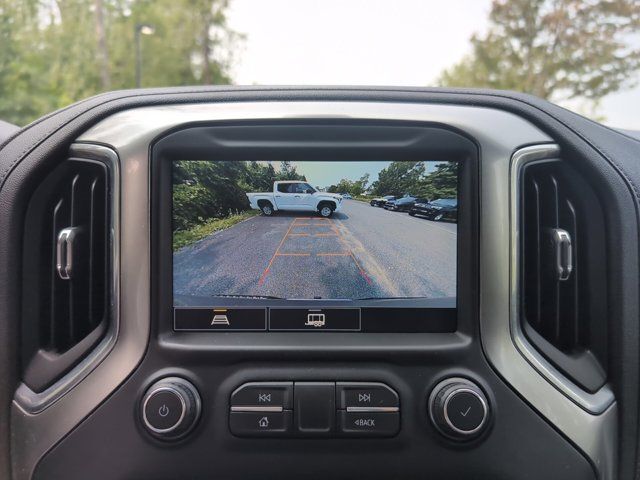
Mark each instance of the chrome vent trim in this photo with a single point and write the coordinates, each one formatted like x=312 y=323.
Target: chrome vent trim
x=597 y=402
x=35 y=402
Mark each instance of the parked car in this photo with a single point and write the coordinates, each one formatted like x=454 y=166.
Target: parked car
x=440 y=209
x=346 y=195
x=387 y=203
x=380 y=201
x=295 y=196
x=404 y=204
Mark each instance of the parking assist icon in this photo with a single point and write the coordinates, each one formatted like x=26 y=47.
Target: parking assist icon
x=220 y=318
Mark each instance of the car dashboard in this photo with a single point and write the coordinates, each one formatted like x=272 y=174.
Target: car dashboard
x=521 y=363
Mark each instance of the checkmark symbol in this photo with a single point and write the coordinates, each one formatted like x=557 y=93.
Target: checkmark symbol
x=465 y=412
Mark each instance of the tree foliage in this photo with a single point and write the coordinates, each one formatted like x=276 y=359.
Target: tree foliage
x=205 y=190
x=288 y=172
x=441 y=183
x=56 y=52
x=352 y=187
x=412 y=178
x=406 y=178
x=555 y=49
x=399 y=178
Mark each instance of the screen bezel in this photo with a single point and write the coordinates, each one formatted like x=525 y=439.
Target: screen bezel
x=315 y=140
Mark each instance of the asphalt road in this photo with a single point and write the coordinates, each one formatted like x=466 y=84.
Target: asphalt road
x=360 y=252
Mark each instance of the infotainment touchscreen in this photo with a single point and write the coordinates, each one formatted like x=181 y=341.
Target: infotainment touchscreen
x=313 y=244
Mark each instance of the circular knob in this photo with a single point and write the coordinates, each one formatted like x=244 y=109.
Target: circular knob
x=459 y=409
x=170 y=408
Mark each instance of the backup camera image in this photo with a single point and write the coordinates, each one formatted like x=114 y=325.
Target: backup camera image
x=314 y=230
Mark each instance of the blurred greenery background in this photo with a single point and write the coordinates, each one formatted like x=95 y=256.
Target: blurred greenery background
x=55 y=52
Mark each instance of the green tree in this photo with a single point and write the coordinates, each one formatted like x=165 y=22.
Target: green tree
x=203 y=190
x=555 y=49
x=206 y=190
x=355 y=188
x=288 y=171
x=360 y=185
x=399 y=178
x=343 y=186
x=56 y=52
x=259 y=177
x=441 y=183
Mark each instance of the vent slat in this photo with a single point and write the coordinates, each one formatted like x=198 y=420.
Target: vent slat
x=92 y=238
x=535 y=257
x=549 y=324
x=54 y=309
x=75 y=200
x=570 y=306
x=553 y=222
x=532 y=260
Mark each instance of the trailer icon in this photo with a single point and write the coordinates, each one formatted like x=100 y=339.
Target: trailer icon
x=315 y=320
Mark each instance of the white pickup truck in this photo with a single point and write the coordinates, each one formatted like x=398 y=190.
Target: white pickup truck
x=294 y=195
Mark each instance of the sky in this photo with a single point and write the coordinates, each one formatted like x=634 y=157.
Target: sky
x=369 y=42
x=325 y=174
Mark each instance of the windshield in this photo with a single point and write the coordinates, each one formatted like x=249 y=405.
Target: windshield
x=445 y=202
x=582 y=54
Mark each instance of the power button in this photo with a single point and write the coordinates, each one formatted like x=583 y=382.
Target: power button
x=163 y=410
x=170 y=408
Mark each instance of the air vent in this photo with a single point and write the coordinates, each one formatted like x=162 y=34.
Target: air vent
x=66 y=291
x=563 y=268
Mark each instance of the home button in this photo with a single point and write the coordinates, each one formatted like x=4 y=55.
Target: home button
x=264 y=423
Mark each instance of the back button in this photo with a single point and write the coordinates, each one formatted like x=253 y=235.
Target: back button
x=368 y=424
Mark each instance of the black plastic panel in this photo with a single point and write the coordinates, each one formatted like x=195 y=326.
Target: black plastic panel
x=518 y=445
